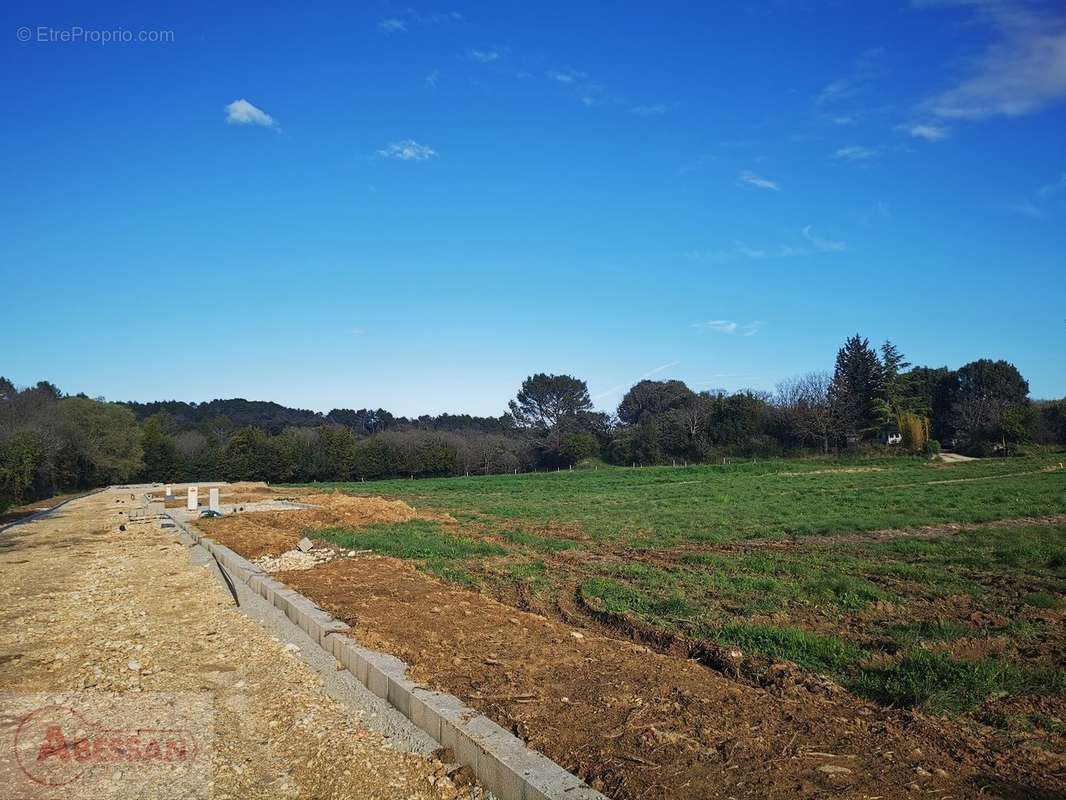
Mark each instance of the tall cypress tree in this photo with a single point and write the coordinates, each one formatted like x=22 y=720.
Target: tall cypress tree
x=858 y=386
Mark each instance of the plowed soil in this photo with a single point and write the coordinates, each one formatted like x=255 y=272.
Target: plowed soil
x=637 y=723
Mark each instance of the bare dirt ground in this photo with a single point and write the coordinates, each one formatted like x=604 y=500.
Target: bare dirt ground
x=29 y=509
x=89 y=609
x=274 y=532
x=643 y=724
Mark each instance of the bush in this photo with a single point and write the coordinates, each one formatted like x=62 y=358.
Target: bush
x=932 y=448
x=577 y=447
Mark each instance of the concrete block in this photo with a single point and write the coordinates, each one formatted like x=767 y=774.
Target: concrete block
x=546 y=780
x=454 y=734
x=331 y=630
x=191 y=501
x=212 y=495
x=354 y=658
x=380 y=668
x=284 y=602
x=400 y=695
x=502 y=759
x=429 y=708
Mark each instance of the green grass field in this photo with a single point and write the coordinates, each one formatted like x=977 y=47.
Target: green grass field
x=783 y=559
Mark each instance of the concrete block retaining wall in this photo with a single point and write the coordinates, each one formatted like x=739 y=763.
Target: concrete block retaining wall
x=502 y=762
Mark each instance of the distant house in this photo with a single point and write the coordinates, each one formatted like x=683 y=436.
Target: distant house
x=890 y=435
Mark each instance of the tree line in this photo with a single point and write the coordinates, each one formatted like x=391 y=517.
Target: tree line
x=52 y=443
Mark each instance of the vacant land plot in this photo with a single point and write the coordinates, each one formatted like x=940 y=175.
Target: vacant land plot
x=929 y=595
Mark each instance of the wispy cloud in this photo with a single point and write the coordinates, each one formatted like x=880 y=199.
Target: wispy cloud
x=402 y=21
x=408 y=150
x=717 y=325
x=923 y=130
x=864 y=71
x=616 y=389
x=485 y=56
x=656 y=110
x=751 y=179
x=392 y=25
x=1026 y=209
x=567 y=76
x=825 y=245
x=1020 y=72
x=1053 y=188
x=856 y=152
x=729 y=327
x=740 y=250
x=432 y=79
x=241 y=112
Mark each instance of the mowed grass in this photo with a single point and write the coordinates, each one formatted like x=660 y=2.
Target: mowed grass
x=771 y=558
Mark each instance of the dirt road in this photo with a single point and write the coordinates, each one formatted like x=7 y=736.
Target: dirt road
x=115 y=627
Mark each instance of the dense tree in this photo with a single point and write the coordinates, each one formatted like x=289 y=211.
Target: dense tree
x=545 y=401
x=652 y=397
x=857 y=390
x=161 y=460
x=930 y=392
x=103 y=442
x=991 y=404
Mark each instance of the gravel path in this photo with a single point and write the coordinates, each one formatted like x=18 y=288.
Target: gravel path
x=123 y=626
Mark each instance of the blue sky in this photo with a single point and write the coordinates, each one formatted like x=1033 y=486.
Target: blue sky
x=416 y=207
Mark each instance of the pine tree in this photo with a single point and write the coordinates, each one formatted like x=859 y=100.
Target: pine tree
x=858 y=388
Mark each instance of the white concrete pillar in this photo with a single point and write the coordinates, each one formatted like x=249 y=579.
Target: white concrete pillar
x=213 y=503
x=168 y=492
x=192 y=502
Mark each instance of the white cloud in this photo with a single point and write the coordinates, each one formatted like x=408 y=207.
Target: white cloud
x=1053 y=188
x=718 y=325
x=758 y=182
x=567 y=76
x=241 y=112
x=729 y=327
x=741 y=250
x=649 y=111
x=856 y=152
x=485 y=56
x=402 y=22
x=392 y=25
x=866 y=69
x=617 y=389
x=432 y=79
x=825 y=245
x=1020 y=72
x=408 y=150
x=923 y=130
x=1027 y=209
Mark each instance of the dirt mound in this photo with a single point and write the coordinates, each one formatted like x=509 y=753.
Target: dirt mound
x=362 y=510
x=271 y=533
